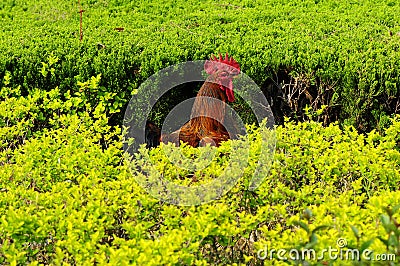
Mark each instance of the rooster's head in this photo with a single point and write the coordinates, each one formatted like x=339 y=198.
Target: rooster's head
x=222 y=71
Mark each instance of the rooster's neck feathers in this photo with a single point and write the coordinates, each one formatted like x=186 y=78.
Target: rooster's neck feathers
x=206 y=124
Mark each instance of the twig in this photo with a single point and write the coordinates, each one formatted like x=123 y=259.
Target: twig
x=229 y=5
x=179 y=27
x=80 y=20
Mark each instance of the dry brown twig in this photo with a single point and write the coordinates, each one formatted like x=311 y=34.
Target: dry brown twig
x=80 y=20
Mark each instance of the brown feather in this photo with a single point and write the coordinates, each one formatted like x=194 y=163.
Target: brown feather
x=202 y=124
x=208 y=111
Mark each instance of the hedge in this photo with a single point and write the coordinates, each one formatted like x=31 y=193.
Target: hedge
x=334 y=54
x=67 y=196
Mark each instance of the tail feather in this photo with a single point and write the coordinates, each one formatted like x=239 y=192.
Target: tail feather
x=152 y=135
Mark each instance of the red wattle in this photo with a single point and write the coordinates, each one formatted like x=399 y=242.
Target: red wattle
x=228 y=91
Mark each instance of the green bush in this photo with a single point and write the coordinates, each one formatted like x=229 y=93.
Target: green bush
x=334 y=53
x=68 y=197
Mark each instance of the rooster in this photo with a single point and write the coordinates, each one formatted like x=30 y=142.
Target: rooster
x=208 y=112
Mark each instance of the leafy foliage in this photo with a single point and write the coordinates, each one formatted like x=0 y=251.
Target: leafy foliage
x=68 y=197
x=335 y=53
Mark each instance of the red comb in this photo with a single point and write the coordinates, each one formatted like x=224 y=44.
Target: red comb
x=211 y=67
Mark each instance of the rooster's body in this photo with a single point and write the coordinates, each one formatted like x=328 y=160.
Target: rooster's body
x=208 y=113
